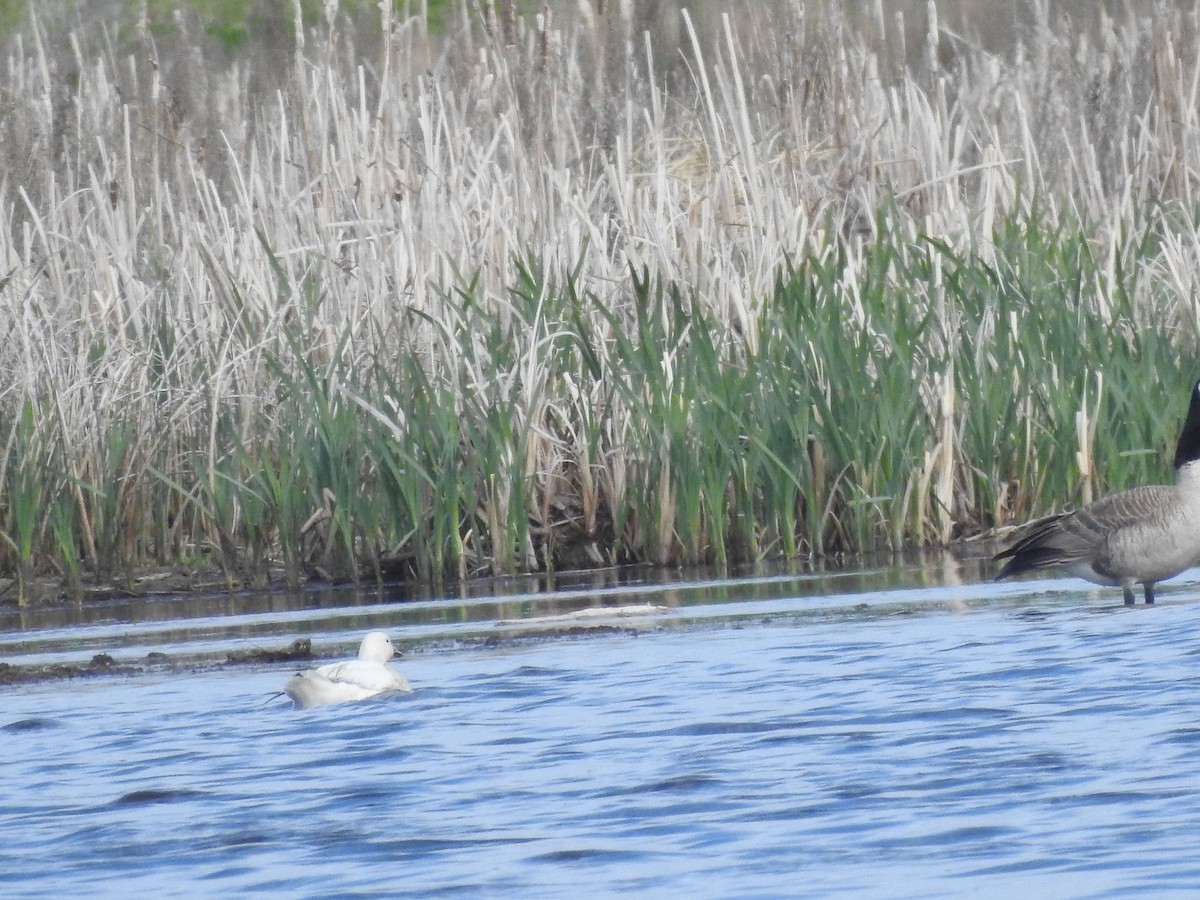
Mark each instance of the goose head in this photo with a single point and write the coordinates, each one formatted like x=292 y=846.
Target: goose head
x=376 y=647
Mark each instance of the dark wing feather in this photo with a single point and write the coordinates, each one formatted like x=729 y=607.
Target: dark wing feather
x=1079 y=536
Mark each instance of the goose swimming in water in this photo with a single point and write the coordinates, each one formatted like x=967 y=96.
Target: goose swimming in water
x=1141 y=535
x=355 y=679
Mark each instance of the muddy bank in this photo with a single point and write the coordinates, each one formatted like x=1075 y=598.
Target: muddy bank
x=52 y=590
x=180 y=622
x=300 y=650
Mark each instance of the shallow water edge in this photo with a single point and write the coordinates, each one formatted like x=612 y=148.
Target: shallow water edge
x=191 y=632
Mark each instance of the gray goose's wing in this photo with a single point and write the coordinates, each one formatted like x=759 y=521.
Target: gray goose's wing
x=1080 y=536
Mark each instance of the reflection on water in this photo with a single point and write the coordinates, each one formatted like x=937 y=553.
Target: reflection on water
x=826 y=736
x=539 y=594
x=199 y=627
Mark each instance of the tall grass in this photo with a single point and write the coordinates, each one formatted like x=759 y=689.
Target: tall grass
x=530 y=294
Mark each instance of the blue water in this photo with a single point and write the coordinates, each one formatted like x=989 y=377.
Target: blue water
x=933 y=746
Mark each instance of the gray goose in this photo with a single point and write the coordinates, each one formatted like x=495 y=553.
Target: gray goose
x=1139 y=536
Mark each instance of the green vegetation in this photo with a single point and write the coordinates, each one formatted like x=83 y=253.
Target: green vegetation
x=494 y=303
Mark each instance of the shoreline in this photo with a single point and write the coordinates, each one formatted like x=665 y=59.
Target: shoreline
x=125 y=635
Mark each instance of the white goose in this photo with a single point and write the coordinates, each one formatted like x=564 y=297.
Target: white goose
x=355 y=679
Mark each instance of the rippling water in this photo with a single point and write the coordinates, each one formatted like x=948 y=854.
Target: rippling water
x=914 y=742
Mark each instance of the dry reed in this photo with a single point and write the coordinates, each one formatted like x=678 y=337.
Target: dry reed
x=536 y=292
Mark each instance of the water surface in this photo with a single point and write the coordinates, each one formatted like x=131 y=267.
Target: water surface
x=782 y=737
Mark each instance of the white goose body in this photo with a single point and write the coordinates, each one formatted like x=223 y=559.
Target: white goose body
x=1139 y=536
x=357 y=679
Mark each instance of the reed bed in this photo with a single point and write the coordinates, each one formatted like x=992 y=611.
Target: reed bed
x=537 y=292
